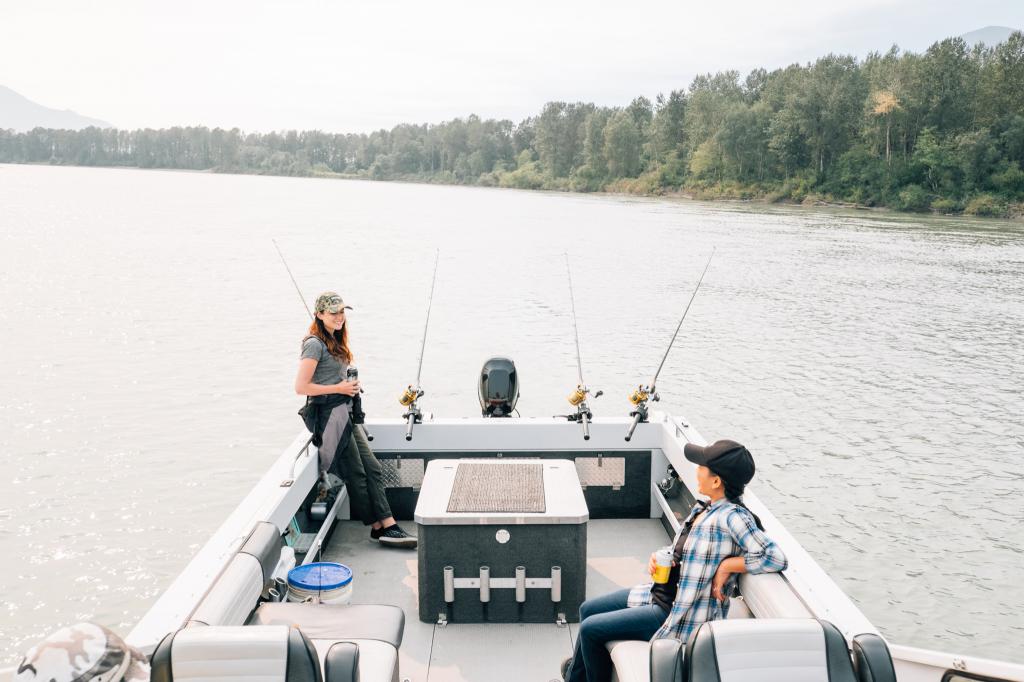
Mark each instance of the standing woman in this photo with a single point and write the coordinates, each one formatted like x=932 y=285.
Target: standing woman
x=344 y=450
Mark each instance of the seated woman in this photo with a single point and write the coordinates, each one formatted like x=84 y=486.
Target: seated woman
x=719 y=539
x=344 y=449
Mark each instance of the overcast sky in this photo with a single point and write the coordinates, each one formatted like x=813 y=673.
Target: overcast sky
x=356 y=66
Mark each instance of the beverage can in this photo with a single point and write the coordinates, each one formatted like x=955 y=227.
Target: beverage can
x=663 y=565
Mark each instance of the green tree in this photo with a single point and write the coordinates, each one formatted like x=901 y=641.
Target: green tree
x=622 y=145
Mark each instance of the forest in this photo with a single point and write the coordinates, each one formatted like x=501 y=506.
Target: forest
x=938 y=131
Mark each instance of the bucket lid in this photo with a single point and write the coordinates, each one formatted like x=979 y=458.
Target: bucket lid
x=320 y=575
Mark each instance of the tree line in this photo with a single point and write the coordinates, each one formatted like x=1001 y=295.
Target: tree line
x=940 y=131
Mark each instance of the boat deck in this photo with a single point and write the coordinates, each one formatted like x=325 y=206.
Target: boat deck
x=617 y=557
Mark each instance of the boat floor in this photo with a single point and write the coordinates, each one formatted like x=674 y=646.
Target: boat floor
x=617 y=551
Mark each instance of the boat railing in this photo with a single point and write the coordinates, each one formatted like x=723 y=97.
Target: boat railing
x=304 y=450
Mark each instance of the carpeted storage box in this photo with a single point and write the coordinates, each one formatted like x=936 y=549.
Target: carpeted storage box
x=501 y=541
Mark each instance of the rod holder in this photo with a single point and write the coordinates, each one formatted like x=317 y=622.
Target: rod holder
x=449 y=584
x=556 y=583
x=485 y=584
x=520 y=584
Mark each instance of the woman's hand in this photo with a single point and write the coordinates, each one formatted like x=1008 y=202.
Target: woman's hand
x=718 y=583
x=652 y=564
x=348 y=388
x=733 y=564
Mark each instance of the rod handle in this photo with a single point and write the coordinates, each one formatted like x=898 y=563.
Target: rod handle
x=632 y=427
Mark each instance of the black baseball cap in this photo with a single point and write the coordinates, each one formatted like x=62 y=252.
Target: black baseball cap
x=726 y=458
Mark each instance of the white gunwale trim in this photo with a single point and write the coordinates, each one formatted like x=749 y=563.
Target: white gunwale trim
x=914 y=664
x=269 y=501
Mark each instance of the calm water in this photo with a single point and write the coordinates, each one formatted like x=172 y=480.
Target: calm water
x=149 y=338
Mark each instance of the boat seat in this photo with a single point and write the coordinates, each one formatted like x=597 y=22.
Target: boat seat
x=768 y=595
x=375 y=629
x=234 y=595
x=275 y=653
x=264 y=544
x=769 y=650
x=248 y=574
x=631 y=658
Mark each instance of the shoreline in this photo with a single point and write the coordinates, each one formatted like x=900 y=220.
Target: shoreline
x=1015 y=211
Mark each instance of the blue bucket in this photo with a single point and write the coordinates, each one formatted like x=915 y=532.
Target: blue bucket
x=322 y=582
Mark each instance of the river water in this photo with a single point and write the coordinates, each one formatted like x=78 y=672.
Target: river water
x=149 y=338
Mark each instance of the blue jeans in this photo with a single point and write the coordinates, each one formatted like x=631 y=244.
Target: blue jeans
x=605 y=619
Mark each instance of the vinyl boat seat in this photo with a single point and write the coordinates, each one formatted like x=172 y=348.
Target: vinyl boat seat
x=371 y=633
x=245 y=578
x=771 y=650
x=764 y=596
x=276 y=653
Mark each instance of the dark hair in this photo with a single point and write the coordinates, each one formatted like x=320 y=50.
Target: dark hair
x=734 y=493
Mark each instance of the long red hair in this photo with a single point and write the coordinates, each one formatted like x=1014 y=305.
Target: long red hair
x=337 y=343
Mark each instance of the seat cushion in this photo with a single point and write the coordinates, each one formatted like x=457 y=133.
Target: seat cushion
x=274 y=653
x=378 y=661
x=264 y=545
x=632 y=660
x=336 y=622
x=342 y=663
x=234 y=595
x=768 y=595
x=872 y=660
x=768 y=650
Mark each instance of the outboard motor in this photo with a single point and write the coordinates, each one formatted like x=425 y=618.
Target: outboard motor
x=498 y=388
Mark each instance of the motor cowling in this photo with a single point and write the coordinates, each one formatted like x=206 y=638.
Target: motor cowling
x=498 y=388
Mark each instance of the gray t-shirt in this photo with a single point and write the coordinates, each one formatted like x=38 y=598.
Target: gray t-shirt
x=329 y=369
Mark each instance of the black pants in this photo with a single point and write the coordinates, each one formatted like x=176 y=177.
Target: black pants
x=359 y=468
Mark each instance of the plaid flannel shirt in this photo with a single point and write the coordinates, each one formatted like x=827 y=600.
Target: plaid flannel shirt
x=727 y=530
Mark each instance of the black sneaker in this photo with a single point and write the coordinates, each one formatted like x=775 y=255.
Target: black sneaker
x=394 y=536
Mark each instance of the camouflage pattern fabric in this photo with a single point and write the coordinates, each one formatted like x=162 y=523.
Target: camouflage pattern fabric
x=330 y=302
x=84 y=652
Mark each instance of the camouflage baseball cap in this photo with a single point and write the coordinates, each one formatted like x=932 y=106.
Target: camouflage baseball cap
x=84 y=652
x=330 y=302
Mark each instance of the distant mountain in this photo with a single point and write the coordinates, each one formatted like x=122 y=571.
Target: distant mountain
x=20 y=113
x=990 y=35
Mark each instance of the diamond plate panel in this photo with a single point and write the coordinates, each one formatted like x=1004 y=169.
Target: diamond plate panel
x=601 y=471
x=402 y=473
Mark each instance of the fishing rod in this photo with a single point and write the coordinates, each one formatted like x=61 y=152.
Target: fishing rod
x=297 y=290
x=409 y=399
x=642 y=394
x=351 y=374
x=578 y=398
